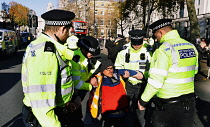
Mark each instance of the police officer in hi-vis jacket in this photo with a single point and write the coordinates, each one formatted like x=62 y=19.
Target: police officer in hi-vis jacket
x=47 y=75
x=171 y=78
x=135 y=57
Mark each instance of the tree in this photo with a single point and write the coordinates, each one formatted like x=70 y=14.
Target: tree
x=166 y=7
x=194 y=25
x=18 y=13
x=5 y=11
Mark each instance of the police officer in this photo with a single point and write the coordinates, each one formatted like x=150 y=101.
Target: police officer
x=84 y=66
x=46 y=78
x=71 y=42
x=171 y=78
x=134 y=57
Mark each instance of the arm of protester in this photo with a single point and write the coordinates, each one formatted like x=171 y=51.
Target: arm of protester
x=135 y=74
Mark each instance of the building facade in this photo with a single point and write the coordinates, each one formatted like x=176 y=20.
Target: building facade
x=182 y=24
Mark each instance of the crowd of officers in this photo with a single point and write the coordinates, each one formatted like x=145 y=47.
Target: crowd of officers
x=156 y=84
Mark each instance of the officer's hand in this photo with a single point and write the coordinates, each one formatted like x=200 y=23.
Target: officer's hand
x=77 y=102
x=139 y=75
x=126 y=74
x=140 y=107
x=94 y=82
x=71 y=106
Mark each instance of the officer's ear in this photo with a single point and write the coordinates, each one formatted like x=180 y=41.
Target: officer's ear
x=64 y=29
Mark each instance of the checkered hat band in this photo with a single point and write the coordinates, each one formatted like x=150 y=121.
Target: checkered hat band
x=57 y=23
x=161 y=25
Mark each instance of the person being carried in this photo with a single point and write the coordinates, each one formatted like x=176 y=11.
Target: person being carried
x=108 y=101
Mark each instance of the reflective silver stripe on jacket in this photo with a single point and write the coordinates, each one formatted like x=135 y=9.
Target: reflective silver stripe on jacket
x=158 y=71
x=182 y=69
x=138 y=61
x=179 y=81
x=39 y=88
x=155 y=83
x=79 y=85
x=64 y=76
x=43 y=103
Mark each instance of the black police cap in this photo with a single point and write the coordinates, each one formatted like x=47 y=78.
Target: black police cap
x=58 y=17
x=160 y=24
x=137 y=36
x=91 y=44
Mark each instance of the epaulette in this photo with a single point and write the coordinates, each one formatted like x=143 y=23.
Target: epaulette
x=49 y=47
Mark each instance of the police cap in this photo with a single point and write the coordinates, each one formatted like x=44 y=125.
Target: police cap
x=58 y=17
x=137 y=36
x=160 y=24
x=90 y=44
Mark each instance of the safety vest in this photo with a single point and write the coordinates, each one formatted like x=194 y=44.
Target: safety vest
x=134 y=60
x=108 y=101
x=46 y=79
x=80 y=71
x=172 y=69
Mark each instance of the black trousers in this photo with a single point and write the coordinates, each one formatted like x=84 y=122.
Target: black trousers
x=178 y=114
x=134 y=117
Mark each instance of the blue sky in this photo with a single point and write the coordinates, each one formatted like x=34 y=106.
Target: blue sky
x=39 y=6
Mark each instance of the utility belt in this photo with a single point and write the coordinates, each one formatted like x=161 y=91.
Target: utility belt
x=183 y=99
x=29 y=117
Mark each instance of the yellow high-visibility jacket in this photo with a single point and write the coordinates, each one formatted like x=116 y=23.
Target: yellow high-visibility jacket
x=80 y=71
x=46 y=79
x=172 y=69
x=139 y=60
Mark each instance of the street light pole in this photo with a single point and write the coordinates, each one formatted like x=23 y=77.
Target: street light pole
x=94 y=18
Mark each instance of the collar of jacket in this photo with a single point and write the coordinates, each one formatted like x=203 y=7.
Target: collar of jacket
x=62 y=49
x=170 y=35
x=135 y=51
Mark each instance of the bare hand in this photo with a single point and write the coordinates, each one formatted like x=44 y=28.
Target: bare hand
x=126 y=74
x=139 y=75
x=141 y=107
x=94 y=82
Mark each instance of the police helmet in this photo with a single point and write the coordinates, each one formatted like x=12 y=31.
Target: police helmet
x=90 y=44
x=137 y=36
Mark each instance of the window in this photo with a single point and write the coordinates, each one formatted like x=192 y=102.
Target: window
x=109 y=32
x=109 y=22
x=102 y=21
x=102 y=31
x=198 y=11
x=102 y=4
x=102 y=12
x=199 y=2
x=96 y=12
